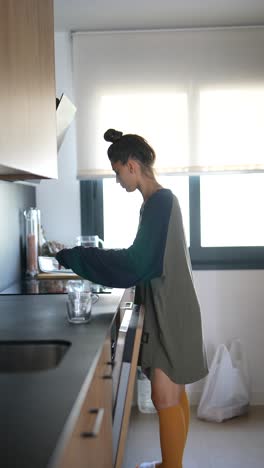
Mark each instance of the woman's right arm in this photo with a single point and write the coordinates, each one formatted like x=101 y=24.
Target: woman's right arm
x=142 y=261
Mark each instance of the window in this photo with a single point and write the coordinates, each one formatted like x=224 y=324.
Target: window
x=162 y=118
x=230 y=126
x=121 y=210
x=224 y=230
x=231 y=210
x=222 y=217
x=222 y=213
x=163 y=121
x=200 y=88
x=121 y=214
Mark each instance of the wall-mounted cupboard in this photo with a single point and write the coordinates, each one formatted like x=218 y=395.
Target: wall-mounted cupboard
x=28 y=145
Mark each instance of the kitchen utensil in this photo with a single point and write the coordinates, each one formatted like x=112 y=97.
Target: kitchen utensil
x=32 y=223
x=51 y=265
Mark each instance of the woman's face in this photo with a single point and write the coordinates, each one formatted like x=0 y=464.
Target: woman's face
x=126 y=175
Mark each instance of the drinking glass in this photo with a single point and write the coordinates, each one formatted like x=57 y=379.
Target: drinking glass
x=79 y=307
x=79 y=301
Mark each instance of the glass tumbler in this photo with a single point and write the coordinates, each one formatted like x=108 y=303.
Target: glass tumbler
x=79 y=301
x=79 y=307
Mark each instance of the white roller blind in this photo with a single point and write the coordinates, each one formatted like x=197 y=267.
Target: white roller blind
x=168 y=86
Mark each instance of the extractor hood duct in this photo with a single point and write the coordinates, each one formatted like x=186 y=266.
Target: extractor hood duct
x=65 y=111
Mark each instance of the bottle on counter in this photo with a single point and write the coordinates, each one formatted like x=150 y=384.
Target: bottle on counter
x=32 y=223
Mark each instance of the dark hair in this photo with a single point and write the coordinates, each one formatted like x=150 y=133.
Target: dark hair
x=129 y=146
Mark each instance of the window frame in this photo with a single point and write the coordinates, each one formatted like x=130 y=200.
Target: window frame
x=202 y=258
x=91 y=201
x=217 y=258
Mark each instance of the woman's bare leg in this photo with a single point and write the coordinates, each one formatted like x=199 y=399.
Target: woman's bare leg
x=164 y=392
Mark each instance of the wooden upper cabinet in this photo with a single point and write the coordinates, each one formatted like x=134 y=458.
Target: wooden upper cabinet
x=28 y=145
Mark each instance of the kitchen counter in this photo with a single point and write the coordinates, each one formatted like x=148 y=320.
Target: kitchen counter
x=47 y=286
x=34 y=406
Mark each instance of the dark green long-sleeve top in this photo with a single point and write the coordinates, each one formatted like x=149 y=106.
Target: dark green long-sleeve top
x=158 y=264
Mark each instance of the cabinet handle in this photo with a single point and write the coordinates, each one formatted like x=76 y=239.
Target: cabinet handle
x=126 y=305
x=109 y=376
x=111 y=363
x=97 y=423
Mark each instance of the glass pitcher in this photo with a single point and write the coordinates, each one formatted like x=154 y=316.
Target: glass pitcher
x=90 y=241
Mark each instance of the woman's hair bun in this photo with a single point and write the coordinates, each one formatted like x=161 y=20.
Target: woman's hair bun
x=112 y=135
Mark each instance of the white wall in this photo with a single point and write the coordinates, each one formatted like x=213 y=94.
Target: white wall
x=232 y=302
x=59 y=200
x=232 y=305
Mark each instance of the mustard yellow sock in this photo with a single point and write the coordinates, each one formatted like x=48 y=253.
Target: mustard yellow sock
x=172 y=436
x=184 y=402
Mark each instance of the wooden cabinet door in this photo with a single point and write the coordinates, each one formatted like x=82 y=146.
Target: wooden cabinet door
x=27 y=92
x=90 y=445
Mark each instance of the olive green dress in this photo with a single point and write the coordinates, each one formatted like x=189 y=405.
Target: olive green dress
x=172 y=335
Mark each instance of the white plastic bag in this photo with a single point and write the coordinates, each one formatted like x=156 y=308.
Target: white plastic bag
x=144 y=401
x=226 y=390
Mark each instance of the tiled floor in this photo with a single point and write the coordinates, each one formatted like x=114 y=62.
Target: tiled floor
x=236 y=443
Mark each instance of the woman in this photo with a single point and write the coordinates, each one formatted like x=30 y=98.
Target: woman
x=158 y=264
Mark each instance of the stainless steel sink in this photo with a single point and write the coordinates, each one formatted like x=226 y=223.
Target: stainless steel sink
x=31 y=356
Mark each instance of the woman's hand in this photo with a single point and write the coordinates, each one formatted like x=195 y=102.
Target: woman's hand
x=59 y=257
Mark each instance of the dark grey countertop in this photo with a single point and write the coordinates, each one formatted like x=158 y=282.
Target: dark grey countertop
x=34 y=406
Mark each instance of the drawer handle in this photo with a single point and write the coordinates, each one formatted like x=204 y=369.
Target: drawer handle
x=126 y=305
x=126 y=320
x=109 y=376
x=97 y=423
x=111 y=363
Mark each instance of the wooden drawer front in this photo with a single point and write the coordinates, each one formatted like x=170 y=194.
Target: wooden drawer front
x=90 y=445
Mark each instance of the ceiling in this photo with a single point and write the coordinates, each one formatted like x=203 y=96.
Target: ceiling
x=72 y=15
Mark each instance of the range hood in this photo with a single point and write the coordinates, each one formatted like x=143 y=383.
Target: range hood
x=65 y=111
